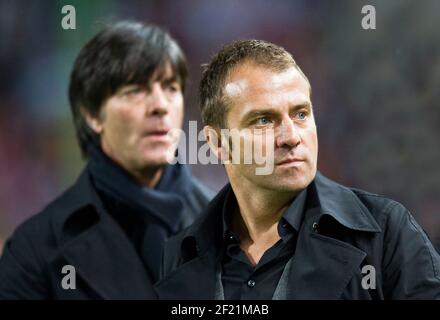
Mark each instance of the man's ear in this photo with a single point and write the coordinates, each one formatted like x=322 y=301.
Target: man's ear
x=213 y=139
x=93 y=122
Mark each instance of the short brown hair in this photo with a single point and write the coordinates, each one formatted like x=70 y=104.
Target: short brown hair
x=213 y=103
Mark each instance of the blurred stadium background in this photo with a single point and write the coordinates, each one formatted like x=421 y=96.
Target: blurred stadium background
x=376 y=93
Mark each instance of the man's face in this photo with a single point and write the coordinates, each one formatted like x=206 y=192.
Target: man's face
x=135 y=122
x=278 y=104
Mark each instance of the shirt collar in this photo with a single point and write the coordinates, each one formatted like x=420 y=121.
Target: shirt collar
x=228 y=209
x=291 y=218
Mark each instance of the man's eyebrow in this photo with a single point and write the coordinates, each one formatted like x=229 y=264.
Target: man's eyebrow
x=258 y=113
x=171 y=79
x=271 y=112
x=306 y=105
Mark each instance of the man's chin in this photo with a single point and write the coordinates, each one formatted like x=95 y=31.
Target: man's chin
x=293 y=183
x=156 y=154
x=289 y=187
x=154 y=162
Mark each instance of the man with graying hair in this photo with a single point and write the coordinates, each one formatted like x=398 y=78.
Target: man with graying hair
x=292 y=234
x=103 y=238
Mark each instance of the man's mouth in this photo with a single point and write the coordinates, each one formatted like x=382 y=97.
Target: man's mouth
x=158 y=135
x=290 y=161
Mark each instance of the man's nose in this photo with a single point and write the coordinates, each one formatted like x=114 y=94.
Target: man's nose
x=157 y=103
x=288 y=135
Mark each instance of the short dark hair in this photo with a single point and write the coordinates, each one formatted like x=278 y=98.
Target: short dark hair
x=214 y=105
x=125 y=53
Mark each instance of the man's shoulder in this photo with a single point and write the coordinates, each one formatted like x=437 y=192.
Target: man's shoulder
x=406 y=250
x=380 y=206
x=392 y=216
x=42 y=226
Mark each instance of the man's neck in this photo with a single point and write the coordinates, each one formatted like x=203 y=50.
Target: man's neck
x=256 y=218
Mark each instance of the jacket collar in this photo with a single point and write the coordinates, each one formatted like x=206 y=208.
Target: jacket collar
x=78 y=197
x=323 y=195
x=83 y=194
x=343 y=205
x=101 y=251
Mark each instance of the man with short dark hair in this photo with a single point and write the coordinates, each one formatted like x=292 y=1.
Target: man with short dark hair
x=293 y=233
x=103 y=237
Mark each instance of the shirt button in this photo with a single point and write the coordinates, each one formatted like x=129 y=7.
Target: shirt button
x=251 y=283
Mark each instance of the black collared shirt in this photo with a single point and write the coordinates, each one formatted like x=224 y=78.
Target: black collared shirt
x=241 y=280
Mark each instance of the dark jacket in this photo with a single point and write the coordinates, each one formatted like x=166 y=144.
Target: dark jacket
x=344 y=230
x=76 y=230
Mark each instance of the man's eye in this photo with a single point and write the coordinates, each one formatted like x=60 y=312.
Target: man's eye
x=302 y=115
x=263 y=121
x=173 y=87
